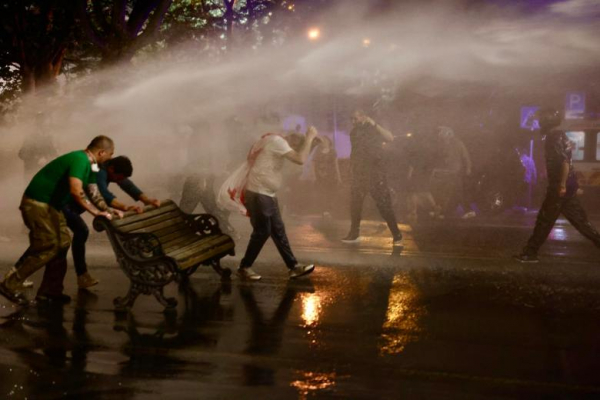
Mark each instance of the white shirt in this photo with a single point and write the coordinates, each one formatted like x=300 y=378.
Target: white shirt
x=266 y=175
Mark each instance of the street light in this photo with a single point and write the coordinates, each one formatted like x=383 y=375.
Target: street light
x=314 y=33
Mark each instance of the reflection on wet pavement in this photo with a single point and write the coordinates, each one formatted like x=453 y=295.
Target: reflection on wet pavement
x=401 y=324
x=310 y=383
x=375 y=326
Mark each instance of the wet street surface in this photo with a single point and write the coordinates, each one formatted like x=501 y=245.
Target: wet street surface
x=449 y=316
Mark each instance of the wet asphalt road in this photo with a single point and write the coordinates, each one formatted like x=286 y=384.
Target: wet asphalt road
x=449 y=316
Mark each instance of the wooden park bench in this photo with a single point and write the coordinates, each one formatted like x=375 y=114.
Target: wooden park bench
x=161 y=245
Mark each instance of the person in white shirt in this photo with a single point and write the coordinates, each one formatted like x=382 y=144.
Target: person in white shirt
x=264 y=179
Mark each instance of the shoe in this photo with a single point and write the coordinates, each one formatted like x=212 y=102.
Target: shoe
x=300 y=270
x=469 y=215
x=53 y=298
x=527 y=258
x=351 y=238
x=27 y=284
x=13 y=295
x=86 y=280
x=248 y=274
x=11 y=286
x=397 y=240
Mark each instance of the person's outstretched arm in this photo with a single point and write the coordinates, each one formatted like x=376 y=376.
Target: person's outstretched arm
x=300 y=157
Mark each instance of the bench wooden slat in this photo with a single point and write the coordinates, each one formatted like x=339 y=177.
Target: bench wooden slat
x=167 y=239
x=196 y=247
x=182 y=240
x=130 y=219
x=171 y=230
x=150 y=221
x=160 y=228
x=190 y=262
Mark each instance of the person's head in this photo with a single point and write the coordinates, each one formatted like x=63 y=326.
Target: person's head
x=102 y=147
x=359 y=117
x=324 y=142
x=445 y=133
x=118 y=168
x=295 y=140
x=548 y=118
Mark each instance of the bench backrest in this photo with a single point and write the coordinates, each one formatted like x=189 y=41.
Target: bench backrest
x=166 y=222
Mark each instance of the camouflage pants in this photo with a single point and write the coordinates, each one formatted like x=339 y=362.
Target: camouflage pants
x=49 y=241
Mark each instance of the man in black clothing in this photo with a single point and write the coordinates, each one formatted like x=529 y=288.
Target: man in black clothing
x=117 y=170
x=561 y=195
x=368 y=175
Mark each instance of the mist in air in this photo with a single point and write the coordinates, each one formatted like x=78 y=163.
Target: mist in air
x=152 y=108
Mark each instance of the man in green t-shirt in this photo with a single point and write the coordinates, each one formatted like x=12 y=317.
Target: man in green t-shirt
x=66 y=178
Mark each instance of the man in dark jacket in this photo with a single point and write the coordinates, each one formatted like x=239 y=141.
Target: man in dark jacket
x=561 y=195
x=117 y=170
x=368 y=175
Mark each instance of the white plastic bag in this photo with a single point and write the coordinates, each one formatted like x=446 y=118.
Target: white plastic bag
x=231 y=194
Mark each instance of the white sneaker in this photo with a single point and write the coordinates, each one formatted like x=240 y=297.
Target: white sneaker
x=248 y=274
x=351 y=238
x=300 y=270
x=27 y=283
x=470 y=214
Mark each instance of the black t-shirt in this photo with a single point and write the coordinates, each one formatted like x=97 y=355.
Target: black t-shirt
x=558 y=151
x=367 y=146
x=325 y=166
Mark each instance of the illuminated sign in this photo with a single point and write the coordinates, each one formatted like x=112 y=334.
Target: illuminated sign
x=528 y=120
x=575 y=105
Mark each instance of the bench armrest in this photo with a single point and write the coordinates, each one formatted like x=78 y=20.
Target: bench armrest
x=139 y=245
x=203 y=224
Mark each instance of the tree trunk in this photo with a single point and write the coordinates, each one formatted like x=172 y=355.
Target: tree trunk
x=27 y=80
x=42 y=74
x=229 y=15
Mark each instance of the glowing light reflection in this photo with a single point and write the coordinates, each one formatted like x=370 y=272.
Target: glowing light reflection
x=558 y=233
x=311 y=309
x=311 y=382
x=401 y=326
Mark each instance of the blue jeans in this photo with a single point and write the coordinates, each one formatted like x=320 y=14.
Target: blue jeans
x=81 y=233
x=266 y=223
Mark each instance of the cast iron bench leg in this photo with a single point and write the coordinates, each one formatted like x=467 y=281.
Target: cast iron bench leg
x=124 y=303
x=225 y=273
x=167 y=302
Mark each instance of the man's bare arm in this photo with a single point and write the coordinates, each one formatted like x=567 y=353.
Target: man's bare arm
x=96 y=197
x=564 y=174
x=387 y=135
x=94 y=194
x=78 y=194
x=466 y=158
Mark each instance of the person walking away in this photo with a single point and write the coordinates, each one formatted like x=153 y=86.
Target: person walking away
x=420 y=171
x=457 y=170
x=561 y=194
x=327 y=174
x=368 y=175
